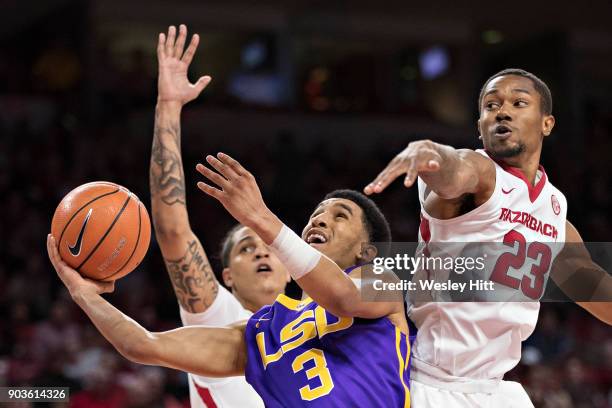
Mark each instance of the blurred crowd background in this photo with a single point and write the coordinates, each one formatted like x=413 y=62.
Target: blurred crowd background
x=311 y=96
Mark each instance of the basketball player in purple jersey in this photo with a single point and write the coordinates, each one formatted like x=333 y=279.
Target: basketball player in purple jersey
x=330 y=350
x=499 y=194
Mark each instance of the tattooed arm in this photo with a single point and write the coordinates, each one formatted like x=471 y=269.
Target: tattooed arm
x=192 y=277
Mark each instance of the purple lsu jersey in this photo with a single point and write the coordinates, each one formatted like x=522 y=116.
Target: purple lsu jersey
x=300 y=355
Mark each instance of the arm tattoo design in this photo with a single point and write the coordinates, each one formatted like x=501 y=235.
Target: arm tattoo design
x=191 y=275
x=169 y=179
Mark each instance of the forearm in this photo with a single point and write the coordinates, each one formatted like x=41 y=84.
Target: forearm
x=341 y=294
x=192 y=277
x=457 y=175
x=188 y=267
x=329 y=286
x=128 y=337
x=214 y=352
x=265 y=224
x=205 y=351
x=166 y=176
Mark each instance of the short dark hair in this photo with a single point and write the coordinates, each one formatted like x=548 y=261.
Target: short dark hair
x=227 y=244
x=539 y=85
x=375 y=222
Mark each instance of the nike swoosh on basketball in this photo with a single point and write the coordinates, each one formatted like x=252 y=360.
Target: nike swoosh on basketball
x=509 y=191
x=75 y=250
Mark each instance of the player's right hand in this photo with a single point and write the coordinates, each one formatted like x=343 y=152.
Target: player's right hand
x=419 y=157
x=73 y=281
x=172 y=82
x=238 y=191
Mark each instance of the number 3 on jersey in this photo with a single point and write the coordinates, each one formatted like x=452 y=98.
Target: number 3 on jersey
x=319 y=370
x=532 y=286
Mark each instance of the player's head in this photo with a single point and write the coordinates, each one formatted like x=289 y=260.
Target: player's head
x=250 y=270
x=515 y=114
x=342 y=223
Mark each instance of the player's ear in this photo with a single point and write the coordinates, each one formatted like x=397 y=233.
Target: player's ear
x=478 y=129
x=226 y=274
x=548 y=124
x=367 y=254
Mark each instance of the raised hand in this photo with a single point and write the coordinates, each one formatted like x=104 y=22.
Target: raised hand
x=419 y=157
x=74 y=282
x=172 y=83
x=239 y=194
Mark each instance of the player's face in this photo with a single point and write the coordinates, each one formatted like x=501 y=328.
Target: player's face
x=254 y=273
x=336 y=228
x=511 y=120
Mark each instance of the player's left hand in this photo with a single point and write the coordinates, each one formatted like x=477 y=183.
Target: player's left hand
x=74 y=282
x=238 y=192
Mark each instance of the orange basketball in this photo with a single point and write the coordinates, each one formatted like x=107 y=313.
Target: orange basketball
x=102 y=230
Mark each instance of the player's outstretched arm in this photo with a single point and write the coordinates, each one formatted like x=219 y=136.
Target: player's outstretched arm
x=580 y=278
x=448 y=172
x=316 y=274
x=192 y=278
x=212 y=352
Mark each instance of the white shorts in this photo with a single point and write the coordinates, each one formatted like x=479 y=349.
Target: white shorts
x=427 y=391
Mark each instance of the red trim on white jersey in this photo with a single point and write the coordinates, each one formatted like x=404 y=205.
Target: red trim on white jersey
x=424 y=229
x=205 y=395
x=534 y=191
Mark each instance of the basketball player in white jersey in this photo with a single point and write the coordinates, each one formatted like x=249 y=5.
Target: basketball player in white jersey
x=499 y=194
x=254 y=275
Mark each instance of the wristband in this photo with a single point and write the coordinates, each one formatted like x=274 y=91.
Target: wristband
x=299 y=257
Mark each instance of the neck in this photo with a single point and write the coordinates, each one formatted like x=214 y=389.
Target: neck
x=527 y=163
x=247 y=304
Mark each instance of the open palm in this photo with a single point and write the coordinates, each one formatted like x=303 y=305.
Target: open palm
x=173 y=84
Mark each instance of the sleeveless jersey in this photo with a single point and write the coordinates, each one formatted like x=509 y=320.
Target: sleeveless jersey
x=482 y=340
x=300 y=355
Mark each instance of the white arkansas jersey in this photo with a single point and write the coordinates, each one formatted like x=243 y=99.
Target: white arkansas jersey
x=230 y=392
x=482 y=340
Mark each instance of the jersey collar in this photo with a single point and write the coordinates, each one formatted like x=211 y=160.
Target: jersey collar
x=534 y=191
x=293 y=304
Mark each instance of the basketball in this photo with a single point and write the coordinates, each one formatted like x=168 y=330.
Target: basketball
x=102 y=230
